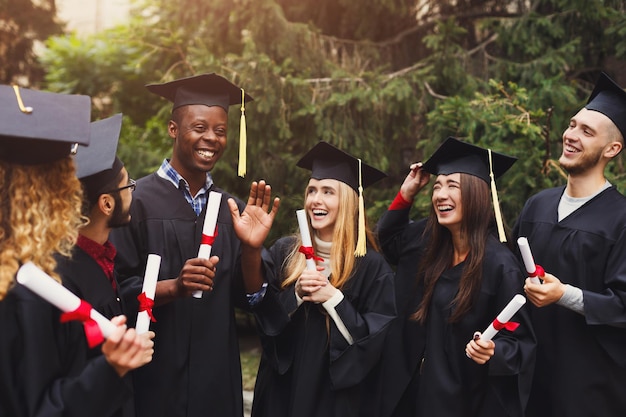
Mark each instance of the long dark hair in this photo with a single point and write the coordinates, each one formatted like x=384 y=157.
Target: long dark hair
x=476 y=223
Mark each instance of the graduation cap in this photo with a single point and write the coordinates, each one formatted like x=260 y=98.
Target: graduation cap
x=209 y=90
x=609 y=99
x=97 y=164
x=455 y=156
x=328 y=162
x=38 y=127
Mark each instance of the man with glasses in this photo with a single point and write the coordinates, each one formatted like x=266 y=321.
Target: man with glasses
x=107 y=194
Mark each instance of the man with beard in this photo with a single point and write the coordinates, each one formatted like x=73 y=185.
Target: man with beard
x=107 y=190
x=577 y=233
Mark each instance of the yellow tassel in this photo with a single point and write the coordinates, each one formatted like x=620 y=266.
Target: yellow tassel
x=496 y=202
x=20 y=103
x=242 y=138
x=361 y=243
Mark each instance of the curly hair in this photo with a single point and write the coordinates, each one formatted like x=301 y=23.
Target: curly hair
x=344 y=242
x=40 y=213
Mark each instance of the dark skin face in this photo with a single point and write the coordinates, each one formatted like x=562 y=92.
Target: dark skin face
x=199 y=135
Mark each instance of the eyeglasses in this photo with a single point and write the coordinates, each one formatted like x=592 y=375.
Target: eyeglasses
x=132 y=184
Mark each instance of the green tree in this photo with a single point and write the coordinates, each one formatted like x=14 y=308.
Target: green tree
x=387 y=80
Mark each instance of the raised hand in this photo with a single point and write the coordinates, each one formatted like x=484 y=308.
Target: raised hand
x=415 y=180
x=253 y=225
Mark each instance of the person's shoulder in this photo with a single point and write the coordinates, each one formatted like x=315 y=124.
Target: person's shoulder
x=548 y=193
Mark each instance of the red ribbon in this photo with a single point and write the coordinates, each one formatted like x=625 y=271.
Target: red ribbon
x=539 y=272
x=309 y=254
x=92 y=330
x=146 y=304
x=208 y=240
x=509 y=325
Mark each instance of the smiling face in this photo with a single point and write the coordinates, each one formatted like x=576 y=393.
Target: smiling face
x=322 y=205
x=447 y=201
x=199 y=134
x=585 y=141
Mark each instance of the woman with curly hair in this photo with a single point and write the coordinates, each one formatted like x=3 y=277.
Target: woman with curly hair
x=43 y=364
x=322 y=329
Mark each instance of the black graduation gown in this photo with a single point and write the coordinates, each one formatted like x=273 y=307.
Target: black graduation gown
x=581 y=359
x=195 y=370
x=442 y=381
x=304 y=372
x=83 y=276
x=44 y=370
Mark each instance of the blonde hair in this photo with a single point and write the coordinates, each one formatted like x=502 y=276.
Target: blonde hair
x=40 y=213
x=342 y=259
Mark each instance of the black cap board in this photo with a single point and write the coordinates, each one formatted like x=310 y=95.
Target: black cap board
x=97 y=164
x=609 y=99
x=328 y=162
x=455 y=156
x=38 y=127
x=208 y=89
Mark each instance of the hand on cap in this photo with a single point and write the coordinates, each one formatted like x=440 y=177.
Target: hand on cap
x=253 y=225
x=544 y=294
x=416 y=179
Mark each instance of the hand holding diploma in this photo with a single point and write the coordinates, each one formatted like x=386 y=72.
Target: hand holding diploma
x=533 y=270
x=481 y=348
x=209 y=230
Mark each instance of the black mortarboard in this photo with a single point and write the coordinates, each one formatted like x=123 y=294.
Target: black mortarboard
x=328 y=162
x=457 y=156
x=210 y=90
x=609 y=99
x=97 y=164
x=37 y=127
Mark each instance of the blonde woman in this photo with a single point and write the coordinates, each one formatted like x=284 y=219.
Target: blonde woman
x=43 y=367
x=323 y=329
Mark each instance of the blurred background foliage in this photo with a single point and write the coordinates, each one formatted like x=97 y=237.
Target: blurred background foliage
x=386 y=80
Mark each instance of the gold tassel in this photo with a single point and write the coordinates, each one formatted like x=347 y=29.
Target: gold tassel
x=496 y=202
x=20 y=103
x=361 y=243
x=242 y=138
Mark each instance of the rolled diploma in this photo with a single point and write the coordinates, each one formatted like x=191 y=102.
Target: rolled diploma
x=208 y=228
x=527 y=256
x=505 y=315
x=149 y=287
x=56 y=294
x=306 y=236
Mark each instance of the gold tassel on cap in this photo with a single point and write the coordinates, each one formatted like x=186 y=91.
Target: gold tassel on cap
x=242 y=138
x=20 y=103
x=496 y=202
x=361 y=244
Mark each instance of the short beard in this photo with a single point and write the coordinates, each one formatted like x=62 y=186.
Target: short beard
x=582 y=165
x=120 y=217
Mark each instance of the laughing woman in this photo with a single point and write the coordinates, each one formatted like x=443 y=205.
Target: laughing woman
x=322 y=330
x=453 y=277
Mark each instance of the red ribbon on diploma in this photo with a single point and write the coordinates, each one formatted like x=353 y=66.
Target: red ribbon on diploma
x=146 y=304
x=92 y=330
x=308 y=253
x=208 y=240
x=509 y=325
x=539 y=272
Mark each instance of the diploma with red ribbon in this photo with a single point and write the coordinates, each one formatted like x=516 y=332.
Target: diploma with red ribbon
x=502 y=320
x=146 y=298
x=97 y=327
x=534 y=271
x=307 y=244
x=209 y=229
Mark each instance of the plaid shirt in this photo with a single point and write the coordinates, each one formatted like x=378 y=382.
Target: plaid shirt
x=197 y=202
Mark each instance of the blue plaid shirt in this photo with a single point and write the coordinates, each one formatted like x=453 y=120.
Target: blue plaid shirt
x=197 y=202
